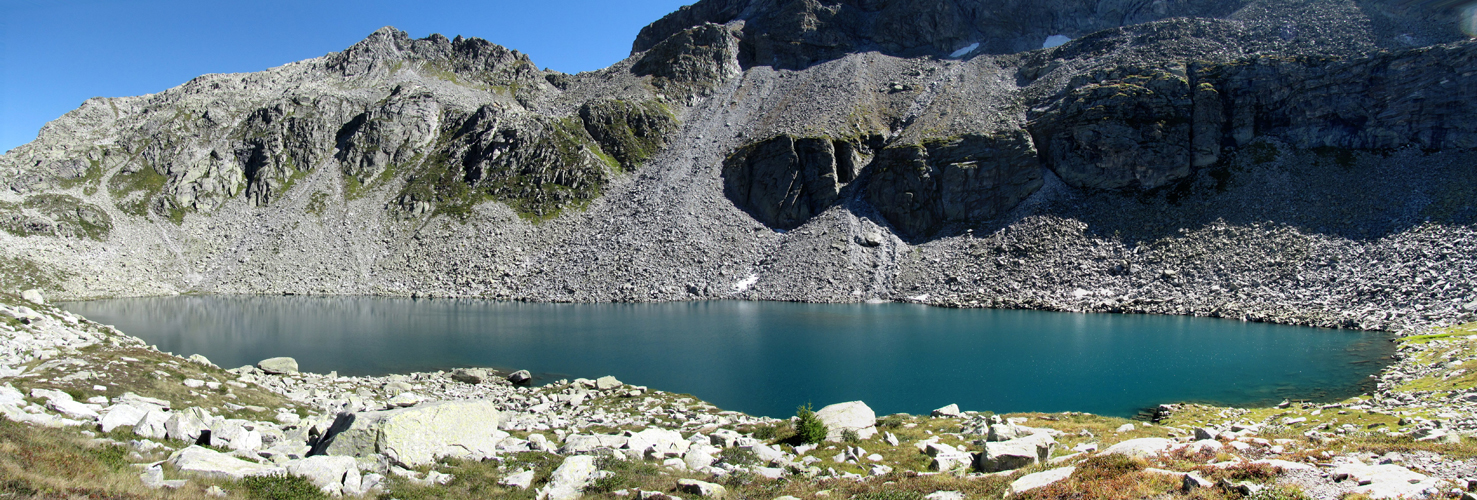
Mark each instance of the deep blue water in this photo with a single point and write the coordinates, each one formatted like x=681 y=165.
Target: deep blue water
x=767 y=358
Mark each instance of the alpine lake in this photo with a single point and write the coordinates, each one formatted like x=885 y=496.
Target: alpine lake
x=767 y=358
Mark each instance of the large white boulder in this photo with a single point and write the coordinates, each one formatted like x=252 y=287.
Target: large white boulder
x=185 y=425
x=422 y=434
x=1039 y=479
x=213 y=464
x=151 y=425
x=1016 y=453
x=658 y=443
x=570 y=479
x=121 y=415
x=854 y=416
x=1387 y=480
x=333 y=475
x=278 y=366
x=1140 y=448
x=588 y=443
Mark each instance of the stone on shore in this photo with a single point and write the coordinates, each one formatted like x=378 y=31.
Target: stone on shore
x=278 y=366
x=213 y=464
x=34 y=296
x=520 y=377
x=948 y=411
x=606 y=383
x=422 y=434
x=853 y=416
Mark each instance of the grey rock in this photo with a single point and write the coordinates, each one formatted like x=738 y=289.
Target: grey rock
x=278 y=366
x=701 y=488
x=213 y=464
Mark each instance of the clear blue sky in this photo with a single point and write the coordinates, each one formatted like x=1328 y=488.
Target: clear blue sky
x=54 y=54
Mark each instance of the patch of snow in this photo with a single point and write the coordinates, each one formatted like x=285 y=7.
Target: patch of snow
x=744 y=284
x=1055 y=40
x=965 y=51
x=918 y=298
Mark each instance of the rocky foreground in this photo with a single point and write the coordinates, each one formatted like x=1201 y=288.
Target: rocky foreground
x=189 y=428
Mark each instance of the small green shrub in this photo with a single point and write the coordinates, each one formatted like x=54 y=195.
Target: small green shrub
x=892 y=421
x=1278 y=493
x=809 y=428
x=281 y=488
x=1100 y=467
x=850 y=436
x=738 y=456
x=890 y=495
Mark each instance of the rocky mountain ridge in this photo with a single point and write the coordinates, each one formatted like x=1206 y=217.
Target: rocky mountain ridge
x=1240 y=160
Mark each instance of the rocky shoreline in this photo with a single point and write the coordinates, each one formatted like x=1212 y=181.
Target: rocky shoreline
x=363 y=435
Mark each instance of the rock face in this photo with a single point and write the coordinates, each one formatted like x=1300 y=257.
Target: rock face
x=796 y=34
x=1126 y=131
x=786 y=180
x=967 y=178
x=422 y=434
x=692 y=61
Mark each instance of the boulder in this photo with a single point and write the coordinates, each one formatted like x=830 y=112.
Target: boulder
x=419 y=435
x=1386 y=480
x=521 y=480
x=701 y=488
x=589 y=443
x=1015 y=453
x=72 y=409
x=947 y=411
x=854 y=416
x=607 y=383
x=658 y=443
x=520 y=377
x=1039 y=479
x=121 y=415
x=34 y=296
x=700 y=455
x=185 y=425
x=151 y=425
x=213 y=464
x=569 y=479
x=235 y=434
x=1202 y=433
x=278 y=366
x=466 y=377
x=1140 y=448
x=332 y=475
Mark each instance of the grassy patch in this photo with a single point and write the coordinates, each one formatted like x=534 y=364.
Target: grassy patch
x=316 y=203
x=280 y=488
x=19 y=273
x=145 y=181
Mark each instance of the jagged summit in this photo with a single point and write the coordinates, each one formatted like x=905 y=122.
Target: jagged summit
x=460 y=55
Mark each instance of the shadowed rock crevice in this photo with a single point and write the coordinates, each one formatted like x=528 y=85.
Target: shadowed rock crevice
x=921 y=187
x=784 y=181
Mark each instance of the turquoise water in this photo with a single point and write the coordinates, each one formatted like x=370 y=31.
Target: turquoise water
x=766 y=358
